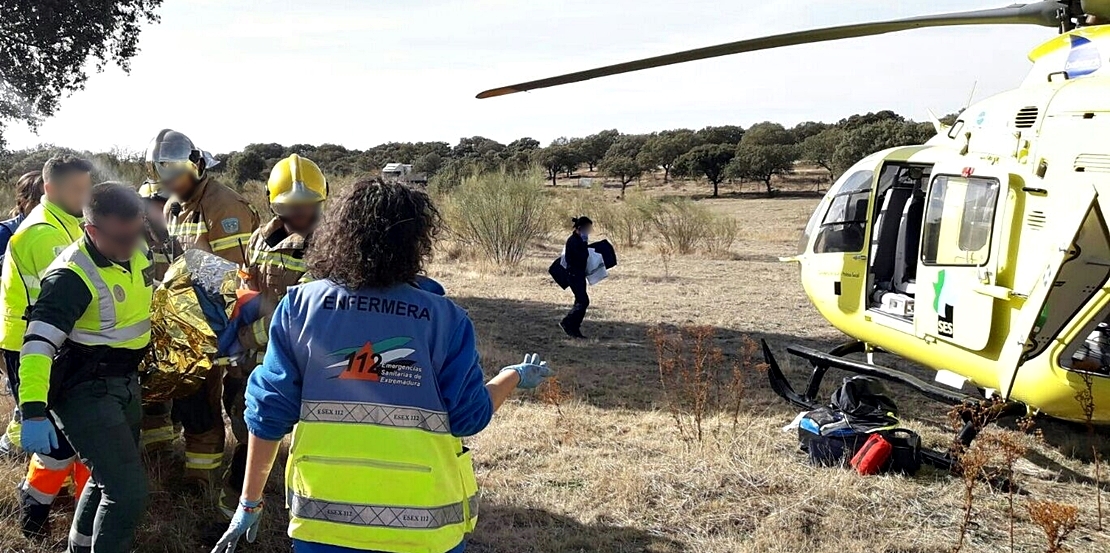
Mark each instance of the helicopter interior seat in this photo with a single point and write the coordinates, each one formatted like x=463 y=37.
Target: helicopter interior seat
x=909 y=241
x=886 y=237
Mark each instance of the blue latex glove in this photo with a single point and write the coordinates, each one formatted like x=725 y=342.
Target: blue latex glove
x=39 y=436
x=532 y=371
x=245 y=522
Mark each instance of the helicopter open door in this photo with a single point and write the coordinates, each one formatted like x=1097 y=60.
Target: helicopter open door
x=1023 y=341
x=956 y=268
x=834 y=243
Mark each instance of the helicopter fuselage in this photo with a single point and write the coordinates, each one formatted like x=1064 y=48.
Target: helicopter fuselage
x=985 y=253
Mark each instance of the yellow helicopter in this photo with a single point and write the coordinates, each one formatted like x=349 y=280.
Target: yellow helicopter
x=984 y=253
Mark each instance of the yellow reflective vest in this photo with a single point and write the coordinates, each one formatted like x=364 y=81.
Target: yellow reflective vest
x=117 y=316
x=46 y=231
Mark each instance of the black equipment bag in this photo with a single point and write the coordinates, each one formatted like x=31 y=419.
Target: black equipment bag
x=832 y=435
x=905 y=457
x=559 y=273
x=828 y=438
x=607 y=252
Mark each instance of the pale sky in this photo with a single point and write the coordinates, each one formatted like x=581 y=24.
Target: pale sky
x=358 y=73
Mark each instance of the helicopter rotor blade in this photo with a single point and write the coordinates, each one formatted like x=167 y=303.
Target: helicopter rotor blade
x=1045 y=13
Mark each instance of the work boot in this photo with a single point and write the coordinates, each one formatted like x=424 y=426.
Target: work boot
x=572 y=332
x=566 y=329
x=34 y=518
x=200 y=483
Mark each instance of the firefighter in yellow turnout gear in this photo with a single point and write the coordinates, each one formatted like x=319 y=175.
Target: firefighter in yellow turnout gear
x=296 y=191
x=201 y=213
x=48 y=229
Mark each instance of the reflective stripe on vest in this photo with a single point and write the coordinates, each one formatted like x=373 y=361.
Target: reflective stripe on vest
x=111 y=336
x=109 y=332
x=103 y=294
x=234 y=241
x=379 y=487
x=386 y=516
x=377 y=414
x=187 y=229
x=284 y=261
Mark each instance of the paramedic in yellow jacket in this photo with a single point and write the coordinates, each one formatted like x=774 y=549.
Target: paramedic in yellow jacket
x=201 y=213
x=276 y=260
x=381 y=379
x=48 y=229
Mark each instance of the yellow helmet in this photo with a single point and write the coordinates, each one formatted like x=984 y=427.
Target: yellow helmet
x=296 y=181
x=151 y=190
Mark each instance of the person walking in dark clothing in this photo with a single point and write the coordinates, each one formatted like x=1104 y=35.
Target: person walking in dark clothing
x=576 y=254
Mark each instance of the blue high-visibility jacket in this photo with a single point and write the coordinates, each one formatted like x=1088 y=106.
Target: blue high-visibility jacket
x=340 y=360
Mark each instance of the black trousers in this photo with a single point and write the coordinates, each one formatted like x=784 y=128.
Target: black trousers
x=573 y=320
x=101 y=417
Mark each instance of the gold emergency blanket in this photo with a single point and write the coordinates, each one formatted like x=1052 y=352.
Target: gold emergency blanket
x=183 y=345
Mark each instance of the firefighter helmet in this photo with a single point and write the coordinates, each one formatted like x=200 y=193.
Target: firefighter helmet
x=151 y=190
x=171 y=154
x=295 y=181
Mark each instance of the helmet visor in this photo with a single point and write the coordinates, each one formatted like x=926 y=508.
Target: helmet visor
x=297 y=211
x=167 y=171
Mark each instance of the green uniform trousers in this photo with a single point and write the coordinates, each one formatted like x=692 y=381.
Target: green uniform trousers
x=101 y=417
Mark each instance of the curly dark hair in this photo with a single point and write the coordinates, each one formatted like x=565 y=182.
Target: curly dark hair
x=374 y=235
x=28 y=190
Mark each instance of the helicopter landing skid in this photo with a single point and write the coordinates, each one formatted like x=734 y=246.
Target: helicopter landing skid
x=822 y=362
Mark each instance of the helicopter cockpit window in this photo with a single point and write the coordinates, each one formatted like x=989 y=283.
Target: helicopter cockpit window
x=959 y=217
x=843 y=225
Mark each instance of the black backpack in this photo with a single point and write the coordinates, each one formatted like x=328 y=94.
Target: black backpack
x=864 y=402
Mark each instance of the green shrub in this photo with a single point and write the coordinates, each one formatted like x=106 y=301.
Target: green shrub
x=498 y=213
x=630 y=222
x=681 y=224
x=591 y=202
x=720 y=235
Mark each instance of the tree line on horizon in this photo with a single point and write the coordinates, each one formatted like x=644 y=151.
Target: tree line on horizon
x=37 y=78
x=715 y=153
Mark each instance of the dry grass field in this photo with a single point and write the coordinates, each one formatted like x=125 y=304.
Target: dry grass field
x=601 y=465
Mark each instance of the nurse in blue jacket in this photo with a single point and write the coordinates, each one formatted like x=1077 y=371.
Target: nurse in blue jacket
x=380 y=379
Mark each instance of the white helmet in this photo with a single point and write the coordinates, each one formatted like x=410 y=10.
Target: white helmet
x=171 y=154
